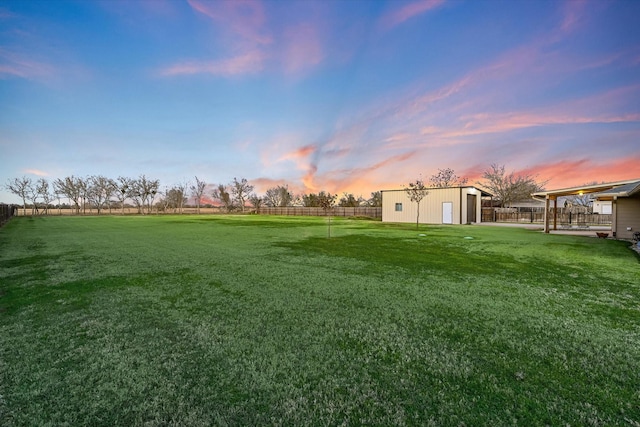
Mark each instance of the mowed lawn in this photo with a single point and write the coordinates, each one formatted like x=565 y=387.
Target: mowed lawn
x=251 y=320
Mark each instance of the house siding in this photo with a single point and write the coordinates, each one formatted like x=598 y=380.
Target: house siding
x=628 y=215
x=430 y=206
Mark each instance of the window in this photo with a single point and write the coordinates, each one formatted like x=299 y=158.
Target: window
x=398 y=207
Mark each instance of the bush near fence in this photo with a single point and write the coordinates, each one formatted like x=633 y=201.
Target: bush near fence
x=313 y=211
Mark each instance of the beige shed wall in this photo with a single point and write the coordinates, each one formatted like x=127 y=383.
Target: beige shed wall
x=628 y=215
x=430 y=206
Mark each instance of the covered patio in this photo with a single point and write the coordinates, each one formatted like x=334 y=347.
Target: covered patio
x=614 y=190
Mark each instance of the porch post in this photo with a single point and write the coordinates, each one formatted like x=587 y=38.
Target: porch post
x=555 y=213
x=614 y=216
x=546 y=214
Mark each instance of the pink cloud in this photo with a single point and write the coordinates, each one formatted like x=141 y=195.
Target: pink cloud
x=18 y=65
x=308 y=180
x=36 y=172
x=573 y=15
x=356 y=180
x=408 y=11
x=251 y=42
x=243 y=21
x=486 y=123
x=568 y=173
x=403 y=136
x=243 y=18
x=302 y=157
x=262 y=184
x=299 y=153
x=302 y=48
x=248 y=63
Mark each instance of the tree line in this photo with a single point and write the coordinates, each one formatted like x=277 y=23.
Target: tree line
x=145 y=194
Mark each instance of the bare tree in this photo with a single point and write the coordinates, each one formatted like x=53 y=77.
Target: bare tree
x=146 y=192
x=197 y=191
x=175 y=198
x=70 y=187
x=446 y=178
x=123 y=186
x=256 y=201
x=57 y=194
x=135 y=194
x=326 y=201
x=241 y=191
x=278 y=196
x=510 y=187
x=376 y=199
x=416 y=191
x=98 y=191
x=310 y=200
x=223 y=195
x=348 y=200
x=33 y=196
x=21 y=187
x=180 y=195
x=83 y=189
x=42 y=188
x=109 y=190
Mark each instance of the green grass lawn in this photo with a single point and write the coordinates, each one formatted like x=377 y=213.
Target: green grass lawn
x=248 y=320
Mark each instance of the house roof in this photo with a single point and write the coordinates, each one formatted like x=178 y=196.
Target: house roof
x=483 y=193
x=592 y=188
x=625 y=190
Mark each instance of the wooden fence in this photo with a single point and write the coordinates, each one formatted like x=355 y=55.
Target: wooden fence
x=298 y=210
x=336 y=211
x=55 y=211
x=6 y=212
x=537 y=217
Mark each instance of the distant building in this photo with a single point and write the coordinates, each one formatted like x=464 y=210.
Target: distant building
x=602 y=207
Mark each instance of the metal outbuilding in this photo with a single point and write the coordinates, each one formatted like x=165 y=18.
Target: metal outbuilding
x=453 y=205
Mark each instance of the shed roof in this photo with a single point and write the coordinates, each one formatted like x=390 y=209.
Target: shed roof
x=483 y=193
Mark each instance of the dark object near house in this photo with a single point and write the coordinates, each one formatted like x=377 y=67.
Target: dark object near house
x=636 y=236
x=602 y=235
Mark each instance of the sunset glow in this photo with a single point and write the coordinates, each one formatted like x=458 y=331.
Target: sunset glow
x=340 y=96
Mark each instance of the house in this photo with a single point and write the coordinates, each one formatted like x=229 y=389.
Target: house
x=454 y=205
x=603 y=207
x=623 y=195
x=625 y=208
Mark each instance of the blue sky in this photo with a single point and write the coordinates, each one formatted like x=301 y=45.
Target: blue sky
x=352 y=96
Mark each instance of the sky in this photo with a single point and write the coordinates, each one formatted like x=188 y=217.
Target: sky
x=341 y=96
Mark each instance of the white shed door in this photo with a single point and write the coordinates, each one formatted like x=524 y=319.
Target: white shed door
x=447 y=213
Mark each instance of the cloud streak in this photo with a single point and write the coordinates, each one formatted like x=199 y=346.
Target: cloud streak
x=248 y=63
x=408 y=11
x=245 y=19
x=14 y=64
x=36 y=172
x=302 y=48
